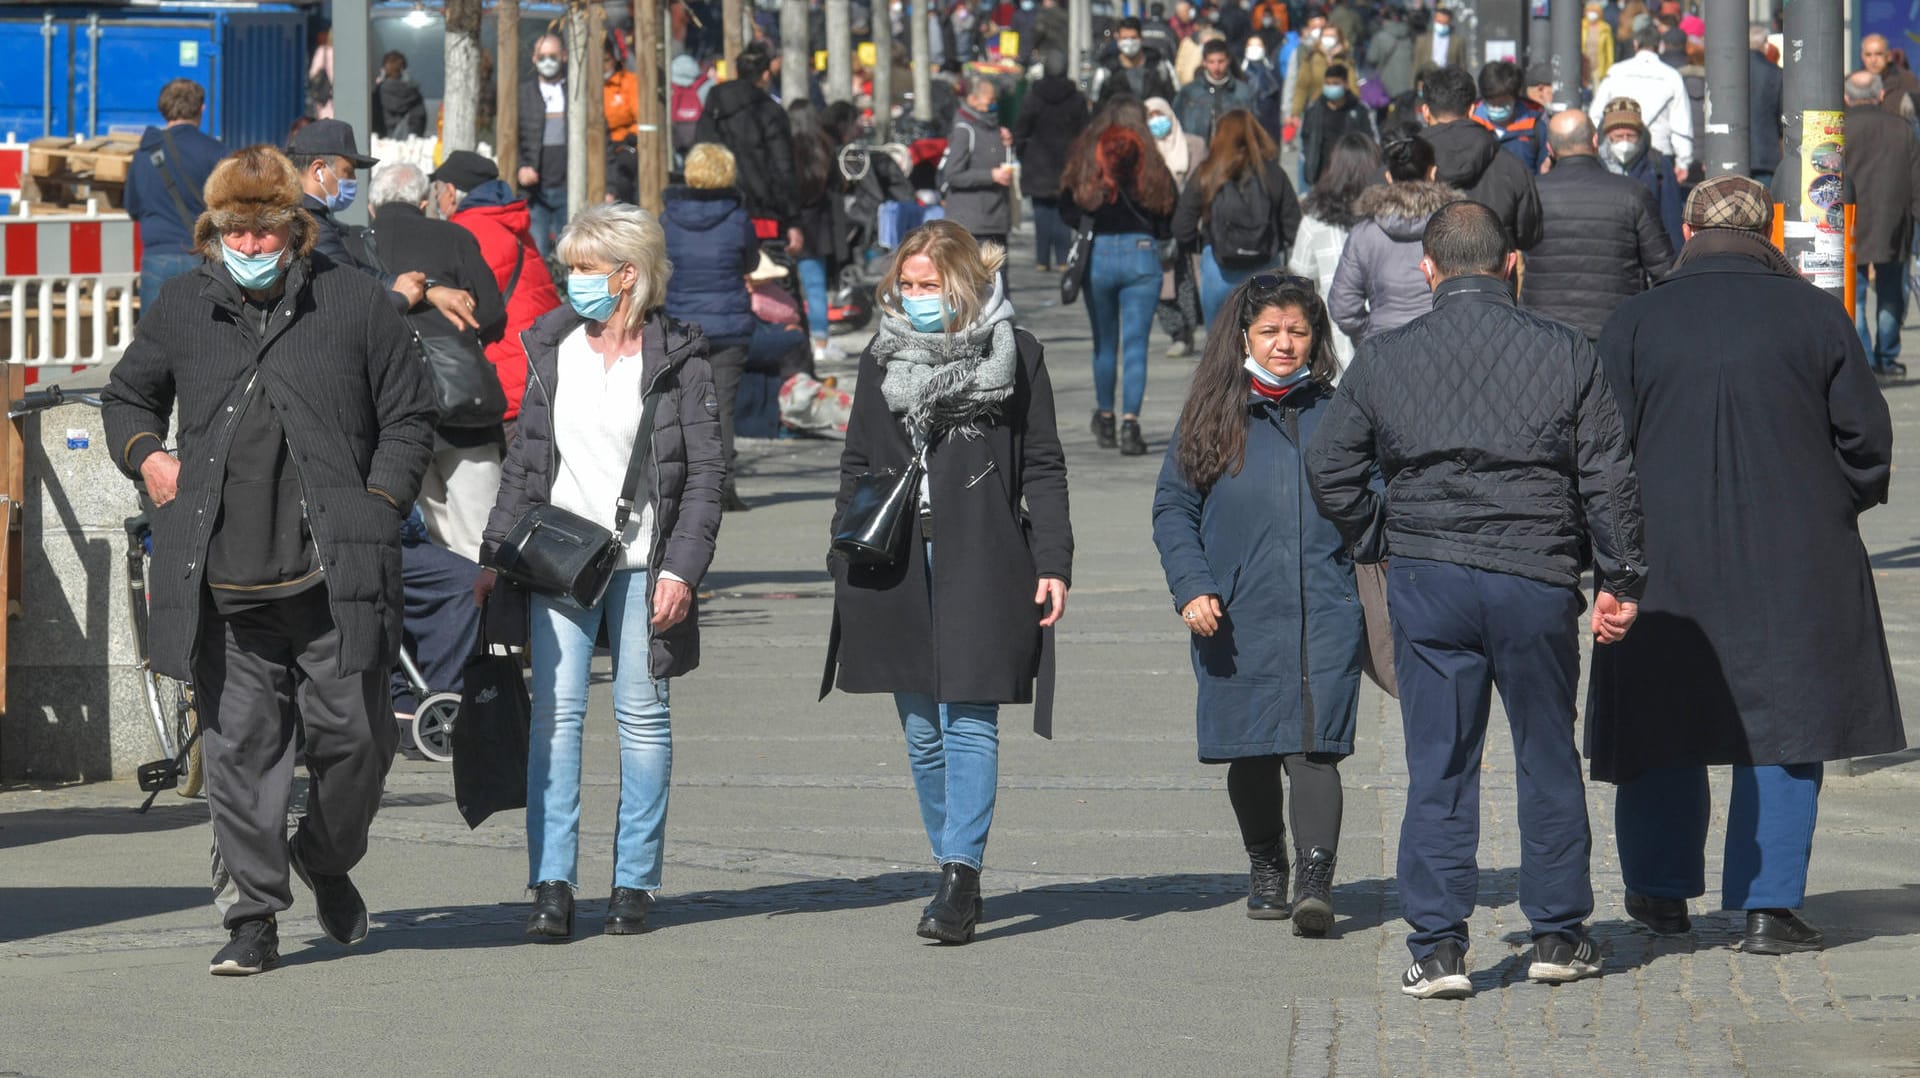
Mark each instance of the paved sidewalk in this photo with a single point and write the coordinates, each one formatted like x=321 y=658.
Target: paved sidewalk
x=796 y=869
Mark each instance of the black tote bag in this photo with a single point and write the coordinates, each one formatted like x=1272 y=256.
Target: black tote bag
x=490 y=736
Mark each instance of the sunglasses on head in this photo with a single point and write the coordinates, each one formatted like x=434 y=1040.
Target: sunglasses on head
x=1273 y=282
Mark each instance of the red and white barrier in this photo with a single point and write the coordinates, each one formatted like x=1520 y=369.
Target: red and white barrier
x=89 y=267
x=13 y=166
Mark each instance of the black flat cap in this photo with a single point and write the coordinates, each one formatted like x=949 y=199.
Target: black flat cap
x=1540 y=74
x=465 y=170
x=329 y=138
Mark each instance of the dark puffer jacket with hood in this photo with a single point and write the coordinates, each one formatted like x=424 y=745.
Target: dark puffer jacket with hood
x=711 y=245
x=744 y=119
x=1378 y=285
x=1470 y=159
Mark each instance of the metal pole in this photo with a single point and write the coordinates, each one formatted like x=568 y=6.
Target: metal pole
x=353 y=82
x=795 y=57
x=93 y=74
x=840 y=50
x=881 y=22
x=1725 y=147
x=1812 y=218
x=922 y=62
x=1563 y=32
x=46 y=76
x=507 y=66
x=1080 y=40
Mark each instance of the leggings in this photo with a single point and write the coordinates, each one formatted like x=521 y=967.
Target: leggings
x=1253 y=784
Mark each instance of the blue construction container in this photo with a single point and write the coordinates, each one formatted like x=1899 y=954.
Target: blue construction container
x=67 y=69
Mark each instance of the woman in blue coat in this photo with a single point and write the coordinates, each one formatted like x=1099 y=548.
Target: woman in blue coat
x=1265 y=586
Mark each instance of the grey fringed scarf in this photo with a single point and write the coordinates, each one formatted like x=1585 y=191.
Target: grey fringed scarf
x=947 y=383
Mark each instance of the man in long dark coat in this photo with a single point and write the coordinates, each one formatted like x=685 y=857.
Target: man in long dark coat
x=1759 y=437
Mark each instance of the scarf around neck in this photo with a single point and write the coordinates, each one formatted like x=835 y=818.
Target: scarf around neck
x=1708 y=242
x=941 y=382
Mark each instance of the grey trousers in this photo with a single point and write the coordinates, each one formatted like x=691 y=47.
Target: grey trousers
x=261 y=675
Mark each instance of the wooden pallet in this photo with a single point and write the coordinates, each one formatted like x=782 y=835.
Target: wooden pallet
x=105 y=160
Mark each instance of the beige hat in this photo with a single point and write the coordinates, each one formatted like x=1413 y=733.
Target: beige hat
x=1730 y=202
x=767 y=270
x=1622 y=112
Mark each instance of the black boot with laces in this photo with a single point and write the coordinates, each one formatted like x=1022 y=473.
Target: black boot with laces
x=1313 y=893
x=1267 y=882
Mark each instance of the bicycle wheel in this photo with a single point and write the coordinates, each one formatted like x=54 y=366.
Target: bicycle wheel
x=186 y=721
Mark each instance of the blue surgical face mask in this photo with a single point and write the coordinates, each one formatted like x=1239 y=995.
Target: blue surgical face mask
x=255 y=272
x=1499 y=114
x=591 y=295
x=1161 y=126
x=928 y=314
x=344 y=194
x=1334 y=93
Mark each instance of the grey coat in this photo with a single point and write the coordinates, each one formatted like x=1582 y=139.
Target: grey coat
x=973 y=200
x=339 y=368
x=683 y=482
x=1378 y=285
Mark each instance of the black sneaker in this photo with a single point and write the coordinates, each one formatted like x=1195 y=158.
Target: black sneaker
x=1559 y=958
x=337 y=903
x=1441 y=975
x=254 y=947
x=1779 y=932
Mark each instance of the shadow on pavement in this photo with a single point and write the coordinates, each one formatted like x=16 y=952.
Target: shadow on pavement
x=49 y=911
x=34 y=826
x=1121 y=898
x=1854 y=916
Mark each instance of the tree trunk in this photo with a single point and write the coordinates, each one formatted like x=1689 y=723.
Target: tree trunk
x=735 y=29
x=579 y=88
x=650 y=22
x=597 y=140
x=839 y=50
x=506 y=79
x=922 y=64
x=881 y=22
x=795 y=58
x=460 y=104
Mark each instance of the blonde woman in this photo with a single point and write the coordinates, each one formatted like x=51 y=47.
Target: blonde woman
x=950 y=378
x=590 y=365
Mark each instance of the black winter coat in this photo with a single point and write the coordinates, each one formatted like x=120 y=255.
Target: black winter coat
x=549 y=161
x=399 y=110
x=1498 y=440
x=1052 y=115
x=683 y=480
x=1470 y=159
x=1765 y=82
x=1883 y=171
x=339 y=369
x=991 y=551
x=740 y=116
x=406 y=239
x=331 y=240
x=1602 y=241
x=1760 y=437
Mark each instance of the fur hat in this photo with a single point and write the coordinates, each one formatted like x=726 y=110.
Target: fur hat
x=254 y=188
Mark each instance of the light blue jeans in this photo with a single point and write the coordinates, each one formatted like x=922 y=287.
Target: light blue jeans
x=955 y=753
x=813 y=282
x=562 y=643
x=1122 y=292
x=1217 y=283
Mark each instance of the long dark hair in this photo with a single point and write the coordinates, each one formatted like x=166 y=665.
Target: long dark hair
x=813 y=155
x=1086 y=180
x=1213 y=424
x=1352 y=166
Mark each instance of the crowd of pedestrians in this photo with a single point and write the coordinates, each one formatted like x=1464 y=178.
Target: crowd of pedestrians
x=1467 y=350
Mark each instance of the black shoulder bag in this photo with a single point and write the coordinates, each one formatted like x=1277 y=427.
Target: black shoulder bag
x=878 y=517
x=565 y=556
x=466 y=392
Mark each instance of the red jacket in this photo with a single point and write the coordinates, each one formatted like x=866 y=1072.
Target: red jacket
x=506 y=236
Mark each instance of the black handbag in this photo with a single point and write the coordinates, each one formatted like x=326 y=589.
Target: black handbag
x=490 y=734
x=875 y=524
x=565 y=556
x=1079 y=261
x=466 y=392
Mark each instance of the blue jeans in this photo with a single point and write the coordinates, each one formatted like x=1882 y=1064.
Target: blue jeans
x=1661 y=822
x=813 y=282
x=562 y=652
x=548 y=208
x=1123 y=289
x=1890 y=303
x=158 y=269
x=1457 y=634
x=1217 y=283
x=1052 y=239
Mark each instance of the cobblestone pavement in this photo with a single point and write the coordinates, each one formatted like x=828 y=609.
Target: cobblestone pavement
x=1114 y=939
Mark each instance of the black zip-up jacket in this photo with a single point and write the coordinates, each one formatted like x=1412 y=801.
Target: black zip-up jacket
x=684 y=475
x=1499 y=442
x=1602 y=242
x=337 y=365
x=1469 y=158
x=745 y=119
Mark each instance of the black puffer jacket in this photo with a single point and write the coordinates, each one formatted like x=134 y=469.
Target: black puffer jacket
x=744 y=119
x=1470 y=159
x=338 y=367
x=1603 y=242
x=1498 y=439
x=683 y=484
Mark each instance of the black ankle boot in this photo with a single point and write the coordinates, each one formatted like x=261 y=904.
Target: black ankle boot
x=552 y=911
x=1313 y=893
x=956 y=906
x=627 y=912
x=1103 y=430
x=1267 y=882
x=1131 y=444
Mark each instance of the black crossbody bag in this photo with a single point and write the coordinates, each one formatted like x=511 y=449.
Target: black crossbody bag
x=565 y=556
x=466 y=392
x=879 y=513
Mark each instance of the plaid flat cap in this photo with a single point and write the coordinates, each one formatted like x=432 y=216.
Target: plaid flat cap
x=1730 y=202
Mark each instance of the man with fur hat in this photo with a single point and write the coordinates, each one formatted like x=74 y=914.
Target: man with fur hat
x=305 y=424
x=1760 y=437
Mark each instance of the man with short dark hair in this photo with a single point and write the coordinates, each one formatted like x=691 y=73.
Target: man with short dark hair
x=163 y=186
x=1217 y=91
x=1439 y=45
x=1135 y=68
x=1882 y=167
x=1504 y=460
x=1517 y=121
x=1469 y=157
x=1337 y=112
x=1540 y=85
x=744 y=118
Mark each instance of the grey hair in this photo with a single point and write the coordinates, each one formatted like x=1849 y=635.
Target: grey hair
x=621 y=235
x=1757 y=34
x=1864 y=88
x=397 y=182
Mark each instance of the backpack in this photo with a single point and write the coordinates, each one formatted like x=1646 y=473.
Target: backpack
x=686 y=114
x=1241 y=226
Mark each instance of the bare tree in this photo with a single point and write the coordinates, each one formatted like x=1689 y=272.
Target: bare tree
x=506 y=77
x=461 y=101
x=796 y=57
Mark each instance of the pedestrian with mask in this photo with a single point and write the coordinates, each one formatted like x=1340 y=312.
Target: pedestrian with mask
x=1760 y=437
x=1328 y=120
x=976 y=175
x=1264 y=78
x=276 y=584
x=1626 y=151
x=1217 y=91
x=542 y=172
x=1519 y=124
x=1265 y=588
x=954 y=626
x=1183 y=155
x=1136 y=68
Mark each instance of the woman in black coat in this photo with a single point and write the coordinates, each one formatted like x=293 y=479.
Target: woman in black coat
x=949 y=379
x=1052 y=114
x=1264 y=584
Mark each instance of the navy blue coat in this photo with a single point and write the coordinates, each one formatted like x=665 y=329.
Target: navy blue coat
x=711 y=244
x=1291 y=638
x=162 y=230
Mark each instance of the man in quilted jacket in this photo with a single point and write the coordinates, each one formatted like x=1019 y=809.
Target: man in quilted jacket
x=1505 y=461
